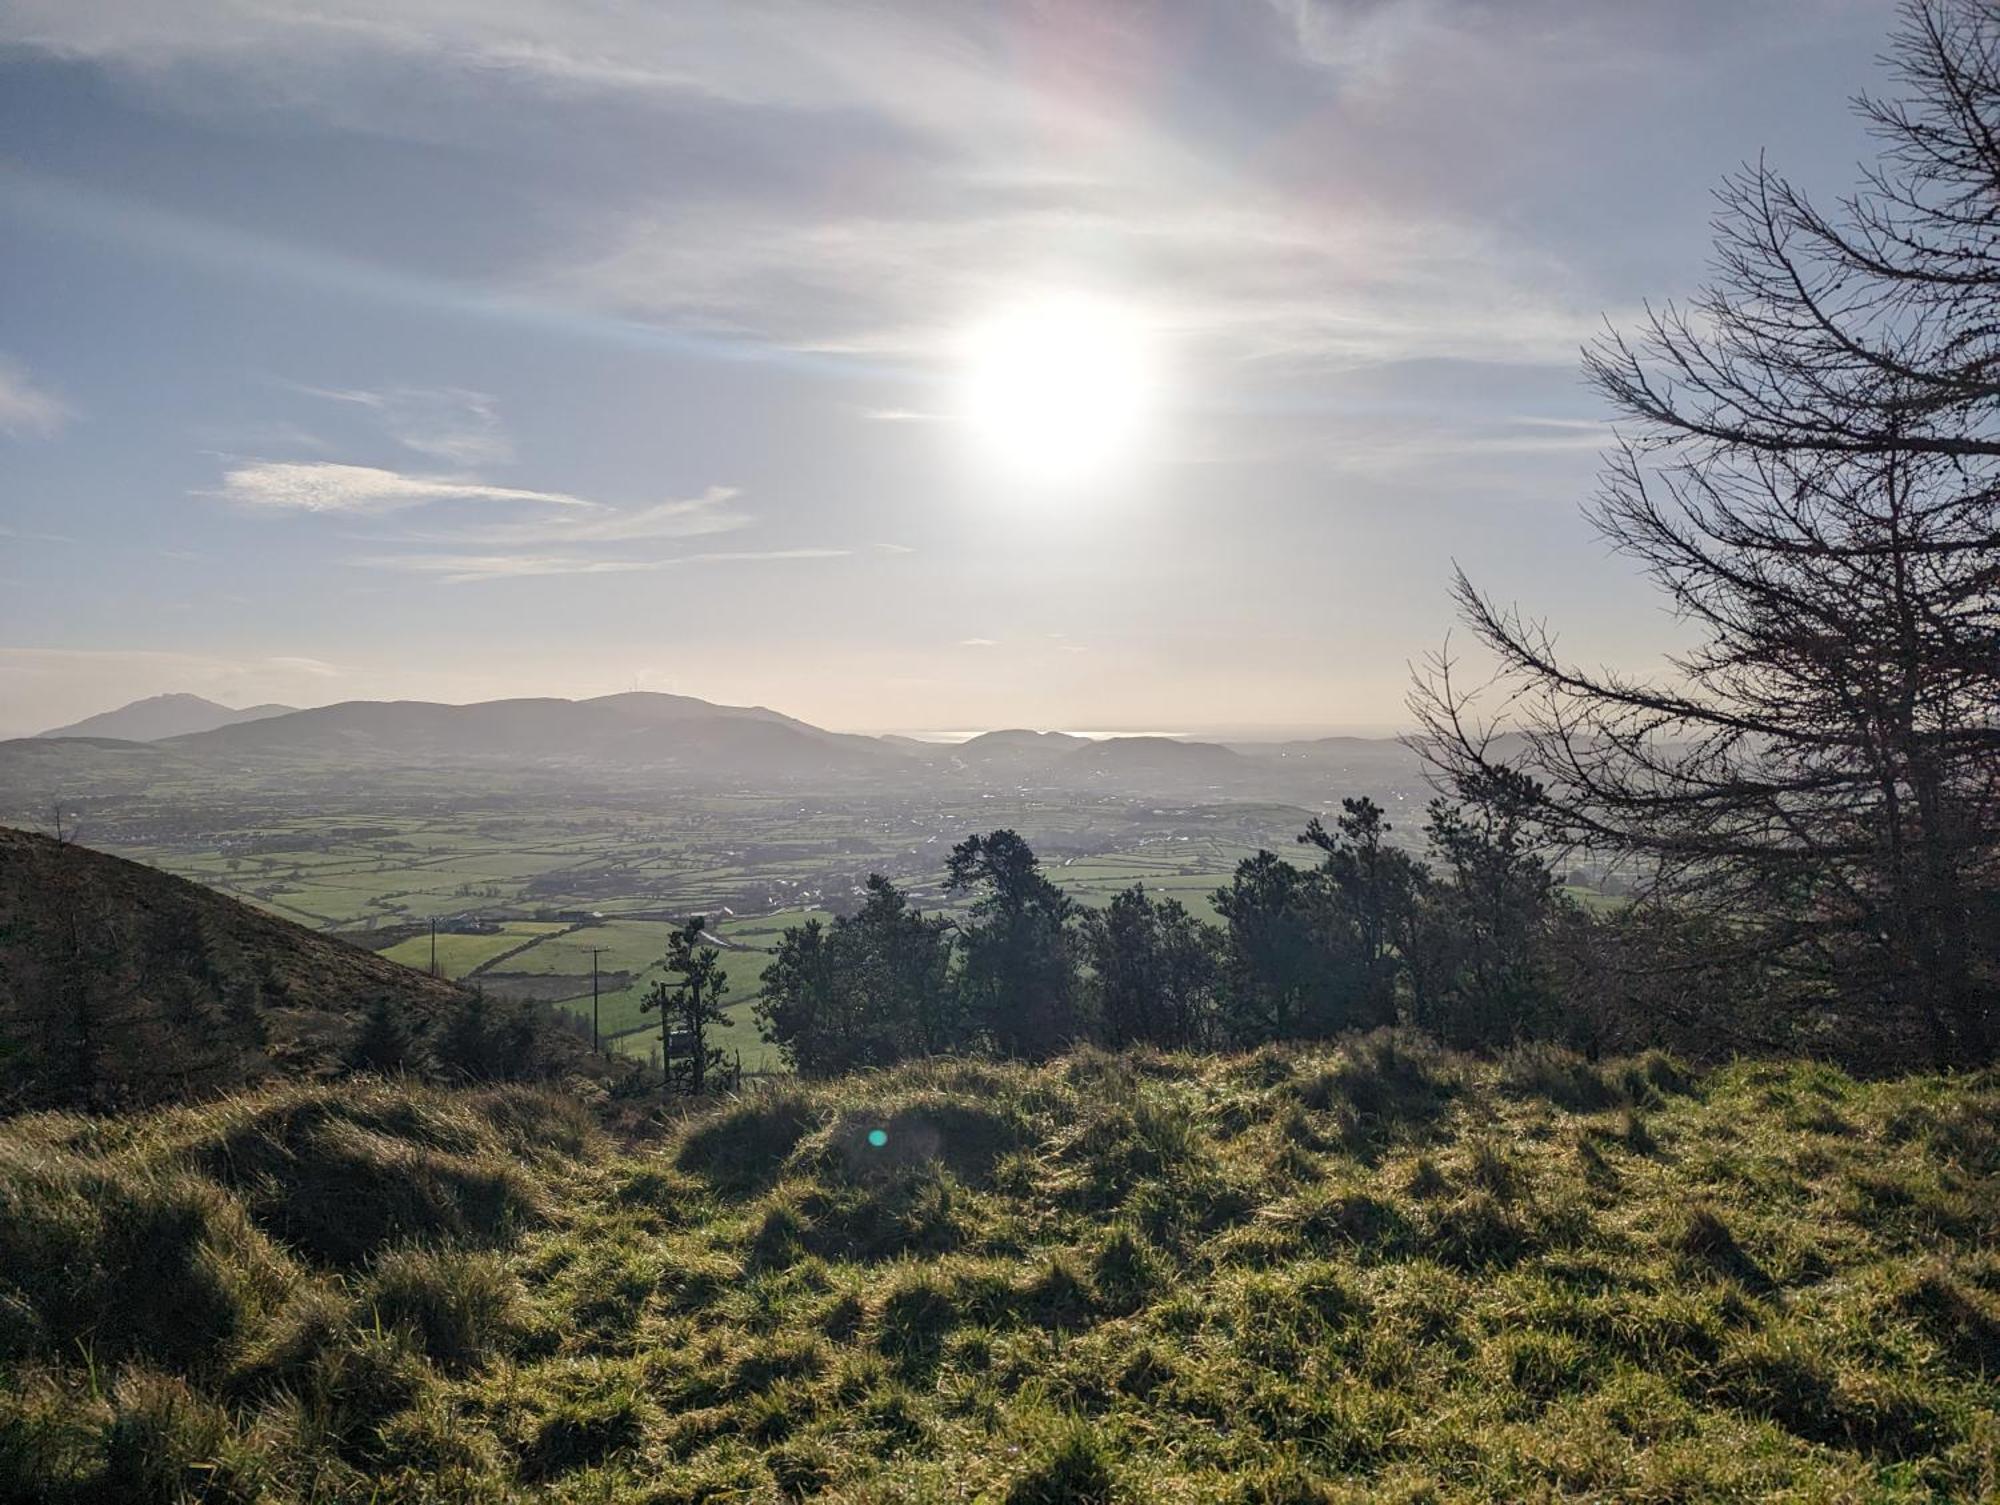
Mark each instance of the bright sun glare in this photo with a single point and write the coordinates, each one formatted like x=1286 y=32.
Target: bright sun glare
x=1060 y=388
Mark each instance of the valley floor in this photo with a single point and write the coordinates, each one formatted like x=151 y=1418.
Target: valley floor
x=1367 y=1272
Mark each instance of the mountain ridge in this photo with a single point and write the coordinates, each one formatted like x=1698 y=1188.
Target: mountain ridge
x=667 y=740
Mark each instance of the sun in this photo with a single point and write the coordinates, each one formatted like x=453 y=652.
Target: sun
x=1059 y=388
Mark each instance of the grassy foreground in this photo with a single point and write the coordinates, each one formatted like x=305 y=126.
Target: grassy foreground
x=1364 y=1272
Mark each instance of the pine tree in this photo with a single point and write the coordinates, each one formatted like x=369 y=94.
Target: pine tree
x=689 y=1000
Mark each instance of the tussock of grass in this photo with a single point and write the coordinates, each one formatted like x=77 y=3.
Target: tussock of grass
x=459 y=1307
x=1359 y=1272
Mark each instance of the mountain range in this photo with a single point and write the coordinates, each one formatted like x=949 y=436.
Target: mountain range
x=661 y=740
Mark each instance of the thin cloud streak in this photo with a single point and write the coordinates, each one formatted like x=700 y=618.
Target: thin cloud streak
x=466 y=569
x=448 y=424
x=326 y=486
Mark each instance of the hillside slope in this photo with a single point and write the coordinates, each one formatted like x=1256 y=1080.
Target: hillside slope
x=1353 y=1274
x=121 y=983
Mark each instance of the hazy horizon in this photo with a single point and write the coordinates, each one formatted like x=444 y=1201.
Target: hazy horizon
x=1243 y=733
x=1115 y=367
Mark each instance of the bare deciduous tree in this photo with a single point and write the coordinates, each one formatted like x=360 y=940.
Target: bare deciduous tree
x=1812 y=475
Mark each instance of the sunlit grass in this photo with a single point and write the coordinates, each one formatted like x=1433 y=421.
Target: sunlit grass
x=1360 y=1272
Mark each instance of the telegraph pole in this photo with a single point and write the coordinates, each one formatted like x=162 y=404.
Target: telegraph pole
x=434 y=946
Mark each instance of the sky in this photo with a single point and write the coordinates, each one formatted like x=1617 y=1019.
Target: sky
x=900 y=365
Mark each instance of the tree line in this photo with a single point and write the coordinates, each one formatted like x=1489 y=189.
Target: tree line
x=1466 y=941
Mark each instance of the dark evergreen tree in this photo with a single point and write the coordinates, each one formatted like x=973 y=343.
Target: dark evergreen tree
x=384 y=1042
x=1019 y=979
x=1154 y=971
x=1374 y=890
x=1281 y=982
x=1484 y=935
x=803 y=1009
x=870 y=990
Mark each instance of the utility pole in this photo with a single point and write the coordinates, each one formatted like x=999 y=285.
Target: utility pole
x=595 y=1034
x=434 y=946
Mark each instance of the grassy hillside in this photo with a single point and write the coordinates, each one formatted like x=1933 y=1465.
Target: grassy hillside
x=122 y=984
x=1362 y=1273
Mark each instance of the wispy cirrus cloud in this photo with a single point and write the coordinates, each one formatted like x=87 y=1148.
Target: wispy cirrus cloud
x=465 y=569
x=547 y=533
x=452 y=425
x=27 y=410
x=694 y=517
x=328 y=486
x=1251 y=235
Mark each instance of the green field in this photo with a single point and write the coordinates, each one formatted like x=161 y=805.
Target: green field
x=375 y=862
x=460 y=955
x=562 y=875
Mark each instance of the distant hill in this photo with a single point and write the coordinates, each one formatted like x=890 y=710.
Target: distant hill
x=1154 y=761
x=159 y=716
x=121 y=984
x=678 y=733
x=652 y=741
x=1013 y=751
x=31 y=767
